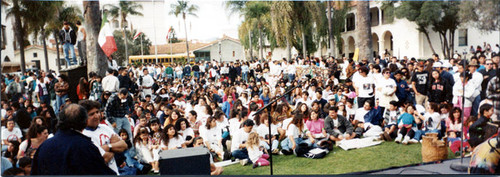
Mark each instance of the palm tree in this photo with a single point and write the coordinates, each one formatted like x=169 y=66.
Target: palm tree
x=124 y=9
x=93 y=20
x=364 y=30
x=41 y=12
x=184 y=8
x=260 y=13
x=17 y=11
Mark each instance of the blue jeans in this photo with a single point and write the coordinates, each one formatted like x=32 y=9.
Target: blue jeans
x=69 y=47
x=475 y=105
x=178 y=75
x=131 y=162
x=274 y=145
x=419 y=133
x=122 y=122
x=59 y=102
x=241 y=154
x=196 y=74
x=287 y=144
x=291 y=77
x=245 y=76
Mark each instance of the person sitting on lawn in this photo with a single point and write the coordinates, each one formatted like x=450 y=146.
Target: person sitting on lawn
x=256 y=151
x=366 y=118
x=389 y=123
x=296 y=132
x=263 y=131
x=406 y=124
x=238 y=147
x=431 y=122
x=477 y=131
x=338 y=127
x=316 y=126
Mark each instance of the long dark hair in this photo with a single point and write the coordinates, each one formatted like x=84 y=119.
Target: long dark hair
x=178 y=124
x=164 y=135
x=452 y=118
x=297 y=121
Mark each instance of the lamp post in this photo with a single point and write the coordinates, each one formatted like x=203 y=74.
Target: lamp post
x=220 y=52
x=126 y=41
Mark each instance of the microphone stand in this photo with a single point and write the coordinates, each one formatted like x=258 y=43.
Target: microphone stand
x=460 y=166
x=270 y=122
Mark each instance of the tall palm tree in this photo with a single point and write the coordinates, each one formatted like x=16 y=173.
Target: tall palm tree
x=330 y=28
x=41 y=13
x=121 y=11
x=260 y=12
x=17 y=11
x=184 y=8
x=96 y=58
x=364 y=30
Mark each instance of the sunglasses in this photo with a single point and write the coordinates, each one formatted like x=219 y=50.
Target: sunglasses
x=387 y=72
x=489 y=63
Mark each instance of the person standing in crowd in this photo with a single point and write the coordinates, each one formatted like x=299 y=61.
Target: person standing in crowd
x=420 y=81
x=365 y=87
x=82 y=90
x=488 y=72
x=68 y=39
x=70 y=152
x=81 y=44
x=117 y=110
x=125 y=81
x=112 y=63
x=41 y=90
x=61 y=88
x=145 y=83
x=103 y=137
x=110 y=83
x=476 y=80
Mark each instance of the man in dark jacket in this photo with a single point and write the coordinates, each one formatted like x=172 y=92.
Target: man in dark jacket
x=68 y=39
x=337 y=126
x=70 y=152
x=125 y=81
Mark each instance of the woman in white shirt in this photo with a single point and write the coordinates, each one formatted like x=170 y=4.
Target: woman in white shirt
x=213 y=137
x=431 y=122
x=263 y=131
x=184 y=129
x=295 y=133
x=178 y=72
x=386 y=89
x=171 y=139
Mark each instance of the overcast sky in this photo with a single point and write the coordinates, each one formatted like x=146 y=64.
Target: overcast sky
x=213 y=20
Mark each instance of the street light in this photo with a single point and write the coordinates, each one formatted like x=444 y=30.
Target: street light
x=220 y=52
x=126 y=41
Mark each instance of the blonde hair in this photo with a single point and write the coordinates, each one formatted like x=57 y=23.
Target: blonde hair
x=253 y=140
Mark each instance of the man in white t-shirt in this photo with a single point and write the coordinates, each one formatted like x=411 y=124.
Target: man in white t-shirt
x=106 y=140
x=365 y=87
x=238 y=147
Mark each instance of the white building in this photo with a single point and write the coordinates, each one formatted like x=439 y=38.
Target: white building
x=35 y=57
x=401 y=37
x=225 y=49
x=7 y=38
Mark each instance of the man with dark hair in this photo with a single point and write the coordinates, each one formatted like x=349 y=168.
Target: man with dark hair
x=81 y=38
x=238 y=145
x=70 y=152
x=103 y=137
x=365 y=87
x=68 y=39
x=338 y=127
x=117 y=110
x=478 y=130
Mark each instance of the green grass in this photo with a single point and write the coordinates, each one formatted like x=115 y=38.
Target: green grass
x=385 y=155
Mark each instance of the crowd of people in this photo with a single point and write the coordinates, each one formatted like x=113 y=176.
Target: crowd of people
x=128 y=116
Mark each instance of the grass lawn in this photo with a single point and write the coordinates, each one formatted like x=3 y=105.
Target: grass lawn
x=385 y=155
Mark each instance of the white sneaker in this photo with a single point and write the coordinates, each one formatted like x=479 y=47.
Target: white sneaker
x=405 y=140
x=243 y=162
x=413 y=141
x=398 y=138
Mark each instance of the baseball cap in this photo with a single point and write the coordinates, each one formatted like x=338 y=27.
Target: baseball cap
x=437 y=65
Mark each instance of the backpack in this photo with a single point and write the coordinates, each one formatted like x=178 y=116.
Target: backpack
x=301 y=150
x=316 y=153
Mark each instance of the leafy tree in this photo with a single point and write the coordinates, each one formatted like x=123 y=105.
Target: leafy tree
x=17 y=12
x=121 y=11
x=184 y=8
x=484 y=14
x=134 y=45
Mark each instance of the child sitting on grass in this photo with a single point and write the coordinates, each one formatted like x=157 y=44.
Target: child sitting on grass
x=255 y=152
x=405 y=124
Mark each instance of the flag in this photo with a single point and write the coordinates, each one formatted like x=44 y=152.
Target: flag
x=106 y=39
x=169 y=33
x=137 y=35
